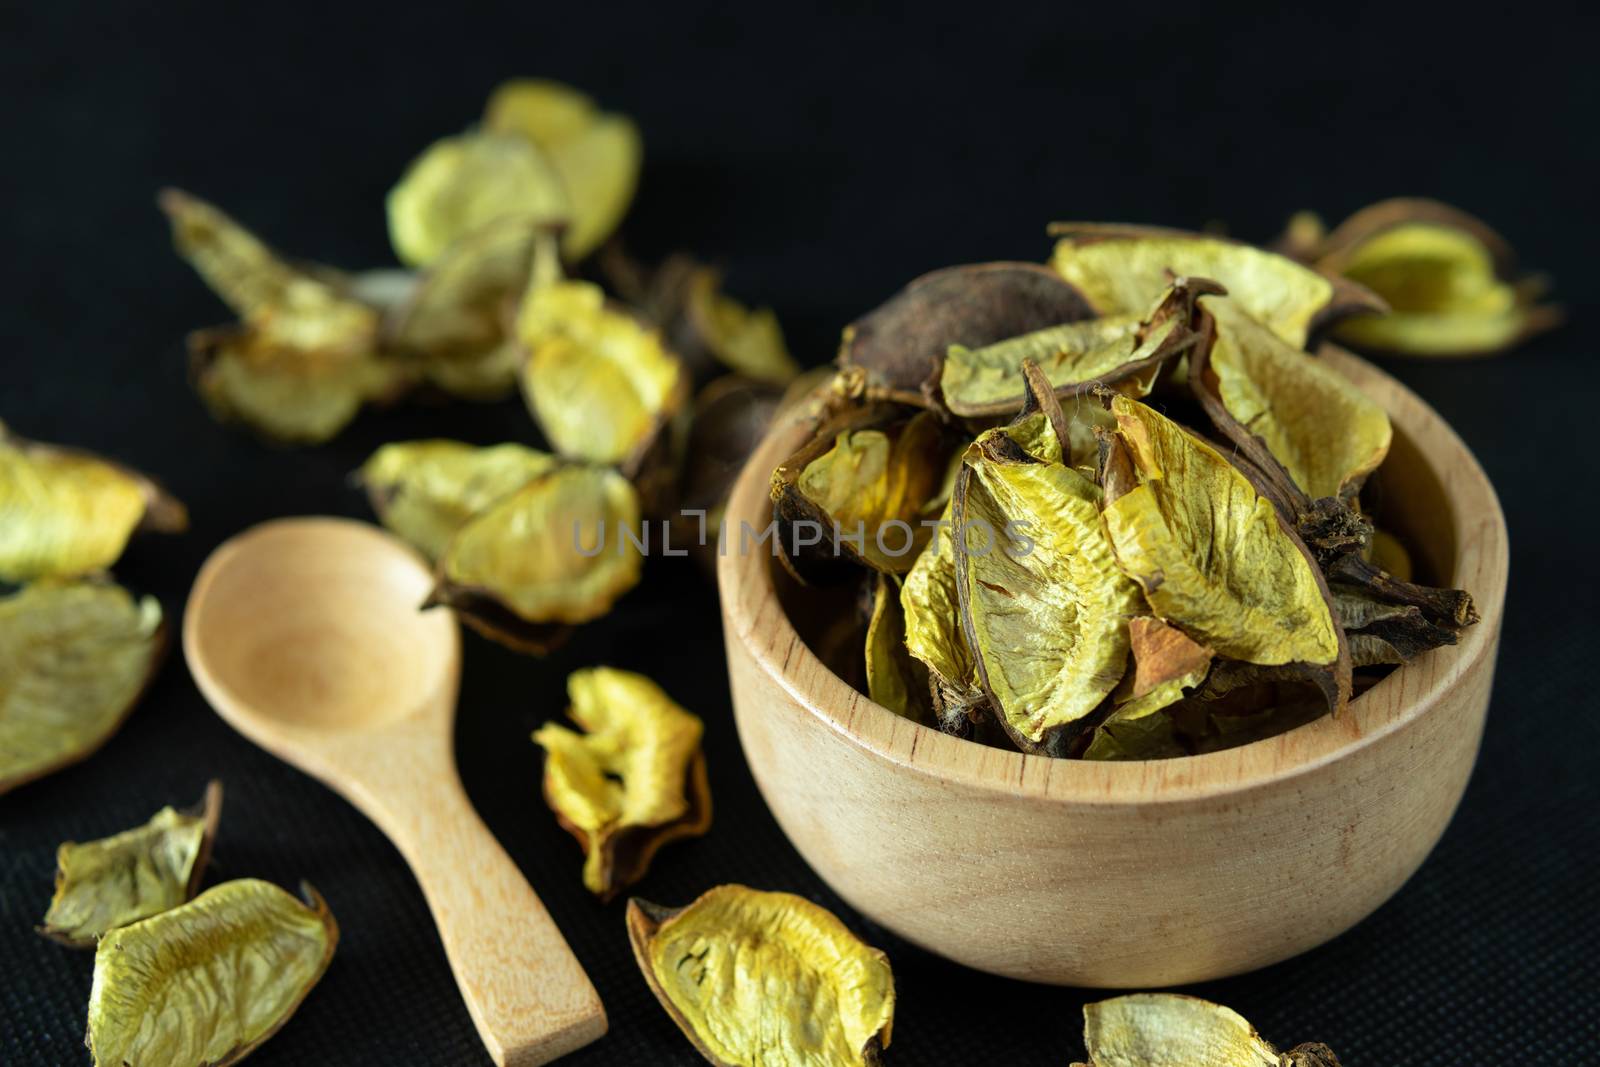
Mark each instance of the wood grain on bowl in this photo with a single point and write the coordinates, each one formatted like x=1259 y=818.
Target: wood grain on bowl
x=1128 y=874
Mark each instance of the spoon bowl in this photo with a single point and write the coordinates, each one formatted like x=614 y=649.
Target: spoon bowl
x=305 y=635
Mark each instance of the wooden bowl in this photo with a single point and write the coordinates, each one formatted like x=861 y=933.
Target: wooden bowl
x=1123 y=875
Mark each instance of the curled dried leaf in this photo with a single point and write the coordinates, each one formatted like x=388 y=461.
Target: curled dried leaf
x=1074 y=356
x=894 y=678
x=749 y=343
x=634 y=780
x=426 y=491
x=558 y=551
x=204 y=984
x=901 y=345
x=930 y=606
x=104 y=884
x=857 y=490
x=765 y=978
x=1124 y=269
x=74 y=659
x=596 y=154
x=602 y=386
x=65 y=513
x=1166 y=663
x=1212 y=555
x=1448 y=278
x=1043 y=604
x=1325 y=433
x=1172 y=1030
x=461 y=184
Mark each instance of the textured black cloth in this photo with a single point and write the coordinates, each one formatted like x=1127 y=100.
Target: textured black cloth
x=826 y=159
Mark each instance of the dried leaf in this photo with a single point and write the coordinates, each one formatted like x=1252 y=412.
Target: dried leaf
x=461 y=184
x=1172 y=1030
x=930 y=605
x=747 y=342
x=894 y=679
x=1124 y=269
x=901 y=345
x=597 y=154
x=765 y=978
x=203 y=985
x=558 y=551
x=65 y=513
x=104 y=884
x=634 y=780
x=74 y=659
x=426 y=491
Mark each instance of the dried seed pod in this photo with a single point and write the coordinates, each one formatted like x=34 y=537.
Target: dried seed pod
x=894 y=678
x=457 y=321
x=1172 y=1030
x=765 y=978
x=857 y=490
x=1213 y=556
x=1450 y=281
x=1075 y=356
x=101 y=885
x=1383 y=633
x=203 y=985
x=1123 y=269
x=596 y=154
x=305 y=355
x=426 y=491
x=65 y=513
x=460 y=184
x=634 y=780
x=602 y=386
x=556 y=552
x=901 y=345
x=1284 y=409
x=729 y=418
x=74 y=659
x=1042 y=602
x=749 y=343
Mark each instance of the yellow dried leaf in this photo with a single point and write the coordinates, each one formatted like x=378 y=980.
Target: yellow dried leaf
x=203 y=985
x=461 y=184
x=1122 y=270
x=758 y=979
x=74 y=658
x=65 y=513
x=747 y=342
x=1170 y=1030
x=1210 y=552
x=1166 y=662
x=930 y=604
x=633 y=781
x=426 y=491
x=597 y=154
x=1325 y=432
x=602 y=386
x=894 y=679
x=104 y=884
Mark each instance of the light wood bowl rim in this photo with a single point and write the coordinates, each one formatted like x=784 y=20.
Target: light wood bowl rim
x=753 y=613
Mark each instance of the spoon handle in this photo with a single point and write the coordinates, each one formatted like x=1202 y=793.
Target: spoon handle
x=526 y=991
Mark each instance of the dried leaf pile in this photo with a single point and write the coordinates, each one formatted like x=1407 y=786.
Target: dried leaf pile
x=1113 y=508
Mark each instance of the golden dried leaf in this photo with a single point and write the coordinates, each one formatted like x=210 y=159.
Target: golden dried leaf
x=1447 y=277
x=461 y=184
x=65 y=513
x=458 y=319
x=901 y=344
x=861 y=485
x=1043 y=605
x=1325 y=432
x=74 y=658
x=558 y=551
x=894 y=678
x=1073 y=356
x=1388 y=553
x=745 y=341
x=931 y=608
x=1123 y=269
x=1211 y=554
x=597 y=154
x=634 y=780
x=426 y=491
x=104 y=884
x=602 y=386
x=203 y=985
x=757 y=979
x=1172 y=1030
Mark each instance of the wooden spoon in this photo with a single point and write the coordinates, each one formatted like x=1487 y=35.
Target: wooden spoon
x=305 y=635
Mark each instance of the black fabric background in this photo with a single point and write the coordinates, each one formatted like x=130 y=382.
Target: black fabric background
x=826 y=159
